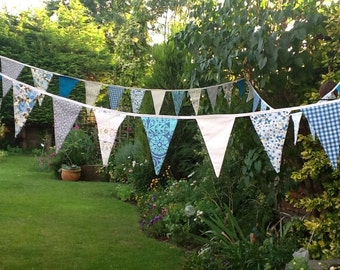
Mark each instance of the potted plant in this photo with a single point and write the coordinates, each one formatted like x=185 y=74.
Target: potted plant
x=70 y=172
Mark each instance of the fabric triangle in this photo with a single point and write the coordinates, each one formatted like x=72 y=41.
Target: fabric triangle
x=216 y=132
x=177 y=97
x=250 y=93
x=92 y=90
x=158 y=98
x=65 y=114
x=66 y=85
x=212 y=94
x=115 y=93
x=108 y=123
x=272 y=129
x=241 y=84
x=228 y=91
x=137 y=96
x=195 y=96
x=24 y=99
x=256 y=101
x=159 y=132
x=12 y=69
x=325 y=120
x=41 y=80
x=296 y=117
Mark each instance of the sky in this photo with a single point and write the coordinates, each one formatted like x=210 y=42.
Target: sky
x=20 y=5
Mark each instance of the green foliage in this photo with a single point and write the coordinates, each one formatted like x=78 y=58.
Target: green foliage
x=123 y=192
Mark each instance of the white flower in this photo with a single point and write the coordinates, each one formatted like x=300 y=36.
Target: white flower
x=134 y=163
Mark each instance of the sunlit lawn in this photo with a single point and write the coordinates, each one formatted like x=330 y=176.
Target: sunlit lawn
x=51 y=224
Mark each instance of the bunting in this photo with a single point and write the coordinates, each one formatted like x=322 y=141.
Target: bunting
x=272 y=128
x=92 y=90
x=12 y=69
x=41 y=80
x=65 y=114
x=24 y=99
x=250 y=92
x=216 y=132
x=325 y=120
x=66 y=85
x=212 y=94
x=296 y=117
x=241 y=84
x=159 y=132
x=108 y=124
x=256 y=102
x=158 y=97
x=195 y=96
x=177 y=97
x=228 y=91
x=115 y=93
x=137 y=96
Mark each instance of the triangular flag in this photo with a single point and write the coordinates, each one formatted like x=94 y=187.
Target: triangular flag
x=241 y=84
x=41 y=80
x=136 y=99
x=195 y=96
x=272 y=129
x=115 y=93
x=108 y=123
x=159 y=132
x=228 y=91
x=325 y=119
x=66 y=85
x=177 y=97
x=256 y=101
x=216 y=132
x=250 y=93
x=24 y=99
x=12 y=69
x=264 y=105
x=158 y=97
x=92 y=90
x=296 y=117
x=212 y=94
x=65 y=114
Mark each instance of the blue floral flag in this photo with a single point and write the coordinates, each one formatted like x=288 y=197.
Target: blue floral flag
x=115 y=93
x=24 y=99
x=177 y=97
x=241 y=84
x=41 y=79
x=159 y=132
x=325 y=120
x=272 y=128
x=66 y=85
x=136 y=99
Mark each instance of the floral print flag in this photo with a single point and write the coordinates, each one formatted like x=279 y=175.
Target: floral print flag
x=137 y=96
x=65 y=114
x=108 y=123
x=272 y=128
x=41 y=80
x=24 y=99
x=115 y=93
x=228 y=91
x=12 y=69
x=216 y=132
x=177 y=97
x=159 y=132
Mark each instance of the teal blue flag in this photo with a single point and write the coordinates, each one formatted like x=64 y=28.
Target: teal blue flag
x=66 y=85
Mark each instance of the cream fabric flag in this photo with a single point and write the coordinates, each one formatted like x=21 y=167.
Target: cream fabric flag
x=158 y=97
x=195 y=96
x=108 y=123
x=212 y=94
x=296 y=117
x=216 y=132
x=92 y=90
x=251 y=92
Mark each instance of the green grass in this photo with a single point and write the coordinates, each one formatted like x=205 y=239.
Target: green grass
x=52 y=224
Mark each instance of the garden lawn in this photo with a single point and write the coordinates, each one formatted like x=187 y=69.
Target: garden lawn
x=51 y=224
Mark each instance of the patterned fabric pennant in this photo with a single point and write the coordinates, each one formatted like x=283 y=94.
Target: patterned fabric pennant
x=228 y=91
x=216 y=132
x=256 y=101
x=108 y=123
x=12 y=69
x=195 y=96
x=296 y=117
x=212 y=94
x=92 y=90
x=66 y=85
x=272 y=129
x=158 y=98
x=41 y=80
x=115 y=93
x=325 y=120
x=250 y=93
x=65 y=114
x=241 y=84
x=24 y=99
x=137 y=96
x=264 y=105
x=159 y=132
x=177 y=97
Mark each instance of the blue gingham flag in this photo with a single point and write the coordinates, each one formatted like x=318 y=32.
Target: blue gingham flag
x=115 y=93
x=325 y=120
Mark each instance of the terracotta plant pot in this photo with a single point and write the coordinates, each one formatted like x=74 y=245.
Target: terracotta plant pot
x=70 y=175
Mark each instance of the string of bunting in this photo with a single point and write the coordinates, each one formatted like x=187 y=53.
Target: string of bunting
x=270 y=124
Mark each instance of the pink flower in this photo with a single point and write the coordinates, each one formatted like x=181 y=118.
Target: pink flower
x=130 y=171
